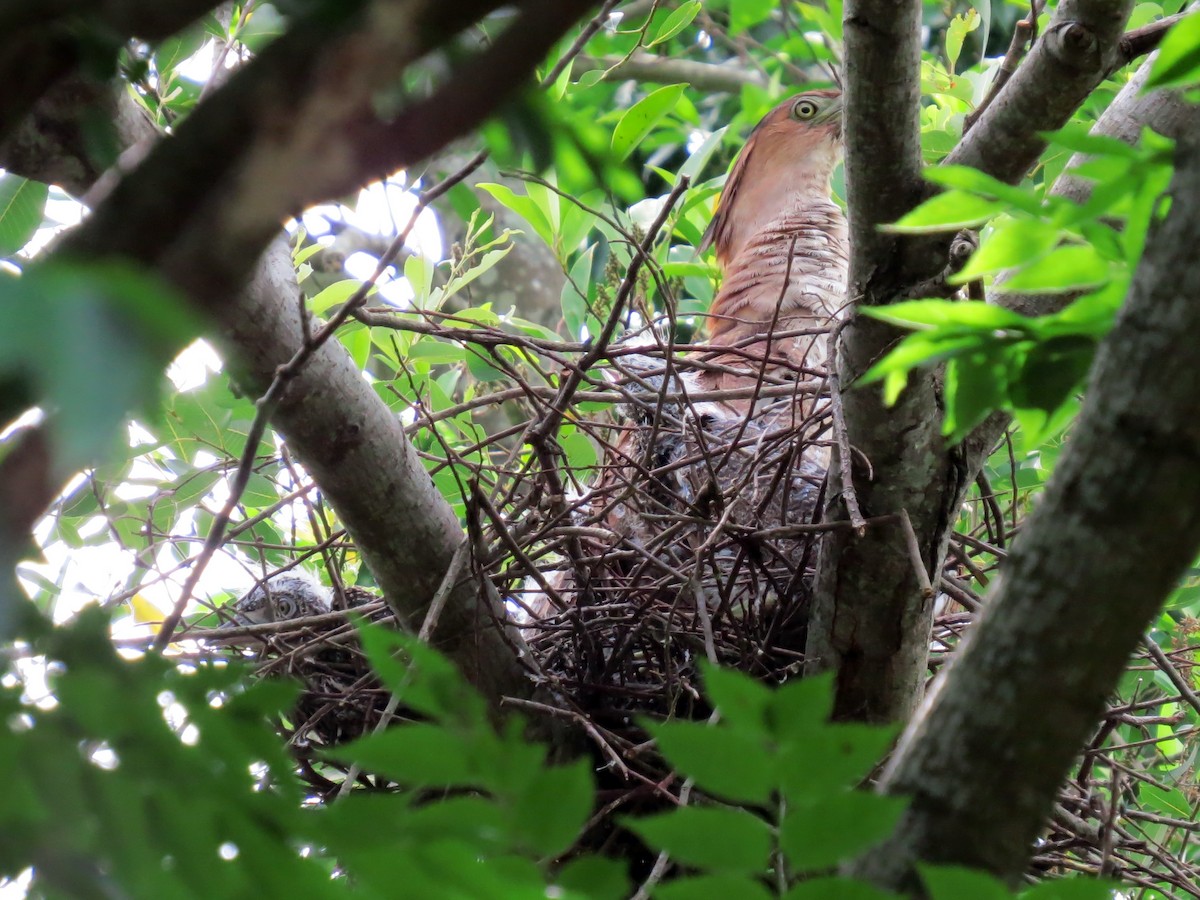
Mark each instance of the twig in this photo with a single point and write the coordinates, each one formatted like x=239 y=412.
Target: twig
x=647 y=67
x=1140 y=41
x=614 y=758
x=445 y=589
x=1108 y=834
x=992 y=506
x=217 y=75
x=961 y=554
x=842 y=437
x=664 y=858
x=1168 y=668
x=1024 y=34
x=914 y=553
x=567 y=389
x=790 y=531
x=580 y=42
x=960 y=592
x=439 y=600
x=539 y=432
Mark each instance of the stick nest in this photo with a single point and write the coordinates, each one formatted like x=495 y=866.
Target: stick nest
x=694 y=538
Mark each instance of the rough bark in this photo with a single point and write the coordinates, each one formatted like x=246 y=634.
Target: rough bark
x=44 y=41
x=356 y=450
x=51 y=144
x=1080 y=48
x=871 y=616
x=1119 y=523
x=863 y=607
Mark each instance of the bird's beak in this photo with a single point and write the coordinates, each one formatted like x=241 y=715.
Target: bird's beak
x=833 y=115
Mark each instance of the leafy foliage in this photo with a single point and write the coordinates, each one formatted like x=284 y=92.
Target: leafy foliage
x=1036 y=242
x=187 y=790
x=94 y=314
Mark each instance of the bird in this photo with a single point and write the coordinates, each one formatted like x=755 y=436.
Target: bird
x=781 y=244
x=782 y=249
x=289 y=595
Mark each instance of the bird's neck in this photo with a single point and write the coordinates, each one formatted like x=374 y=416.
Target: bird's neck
x=790 y=272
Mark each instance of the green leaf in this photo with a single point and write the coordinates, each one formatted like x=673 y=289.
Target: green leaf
x=550 y=828
x=916 y=350
x=1173 y=803
x=594 y=877
x=801 y=705
x=928 y=313
x=22 y=207
x=701 y=155
x=1038 y=427
x=335 y=295
x=1069 y=267
x=712 y=838
x=723 y=761
x=1012 y=243
x=948 y=211
x=591 y=77
x=639 y=120
x=745 y=14
x=559 y=89
x=418 y=272
x=1091 y=314
x=1080 y=139
x=1178 y=61
x=713 y=887
x=481 y=368
x=260 y=491
x=578 y=447
x=955 y=883
x=433 y=350
x=93 y=340
x=828 y=759
x=525 y=207
x=418 y=754
x=973 y=181
x=421 y=676
x=1052 y=372
x=356 y=338
x=836 y=889
x=176 y=49
x=578 y=292
x=975 y=385
x=821 y=834
x=678 y=20
x=741 y=700
x=956 y=33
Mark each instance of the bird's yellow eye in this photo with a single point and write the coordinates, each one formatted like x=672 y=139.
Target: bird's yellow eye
x=804 y=109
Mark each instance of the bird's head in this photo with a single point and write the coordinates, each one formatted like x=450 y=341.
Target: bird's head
x=289 y=596
x=788 y=160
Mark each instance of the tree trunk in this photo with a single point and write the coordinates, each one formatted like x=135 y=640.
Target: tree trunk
x=1119 y=523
